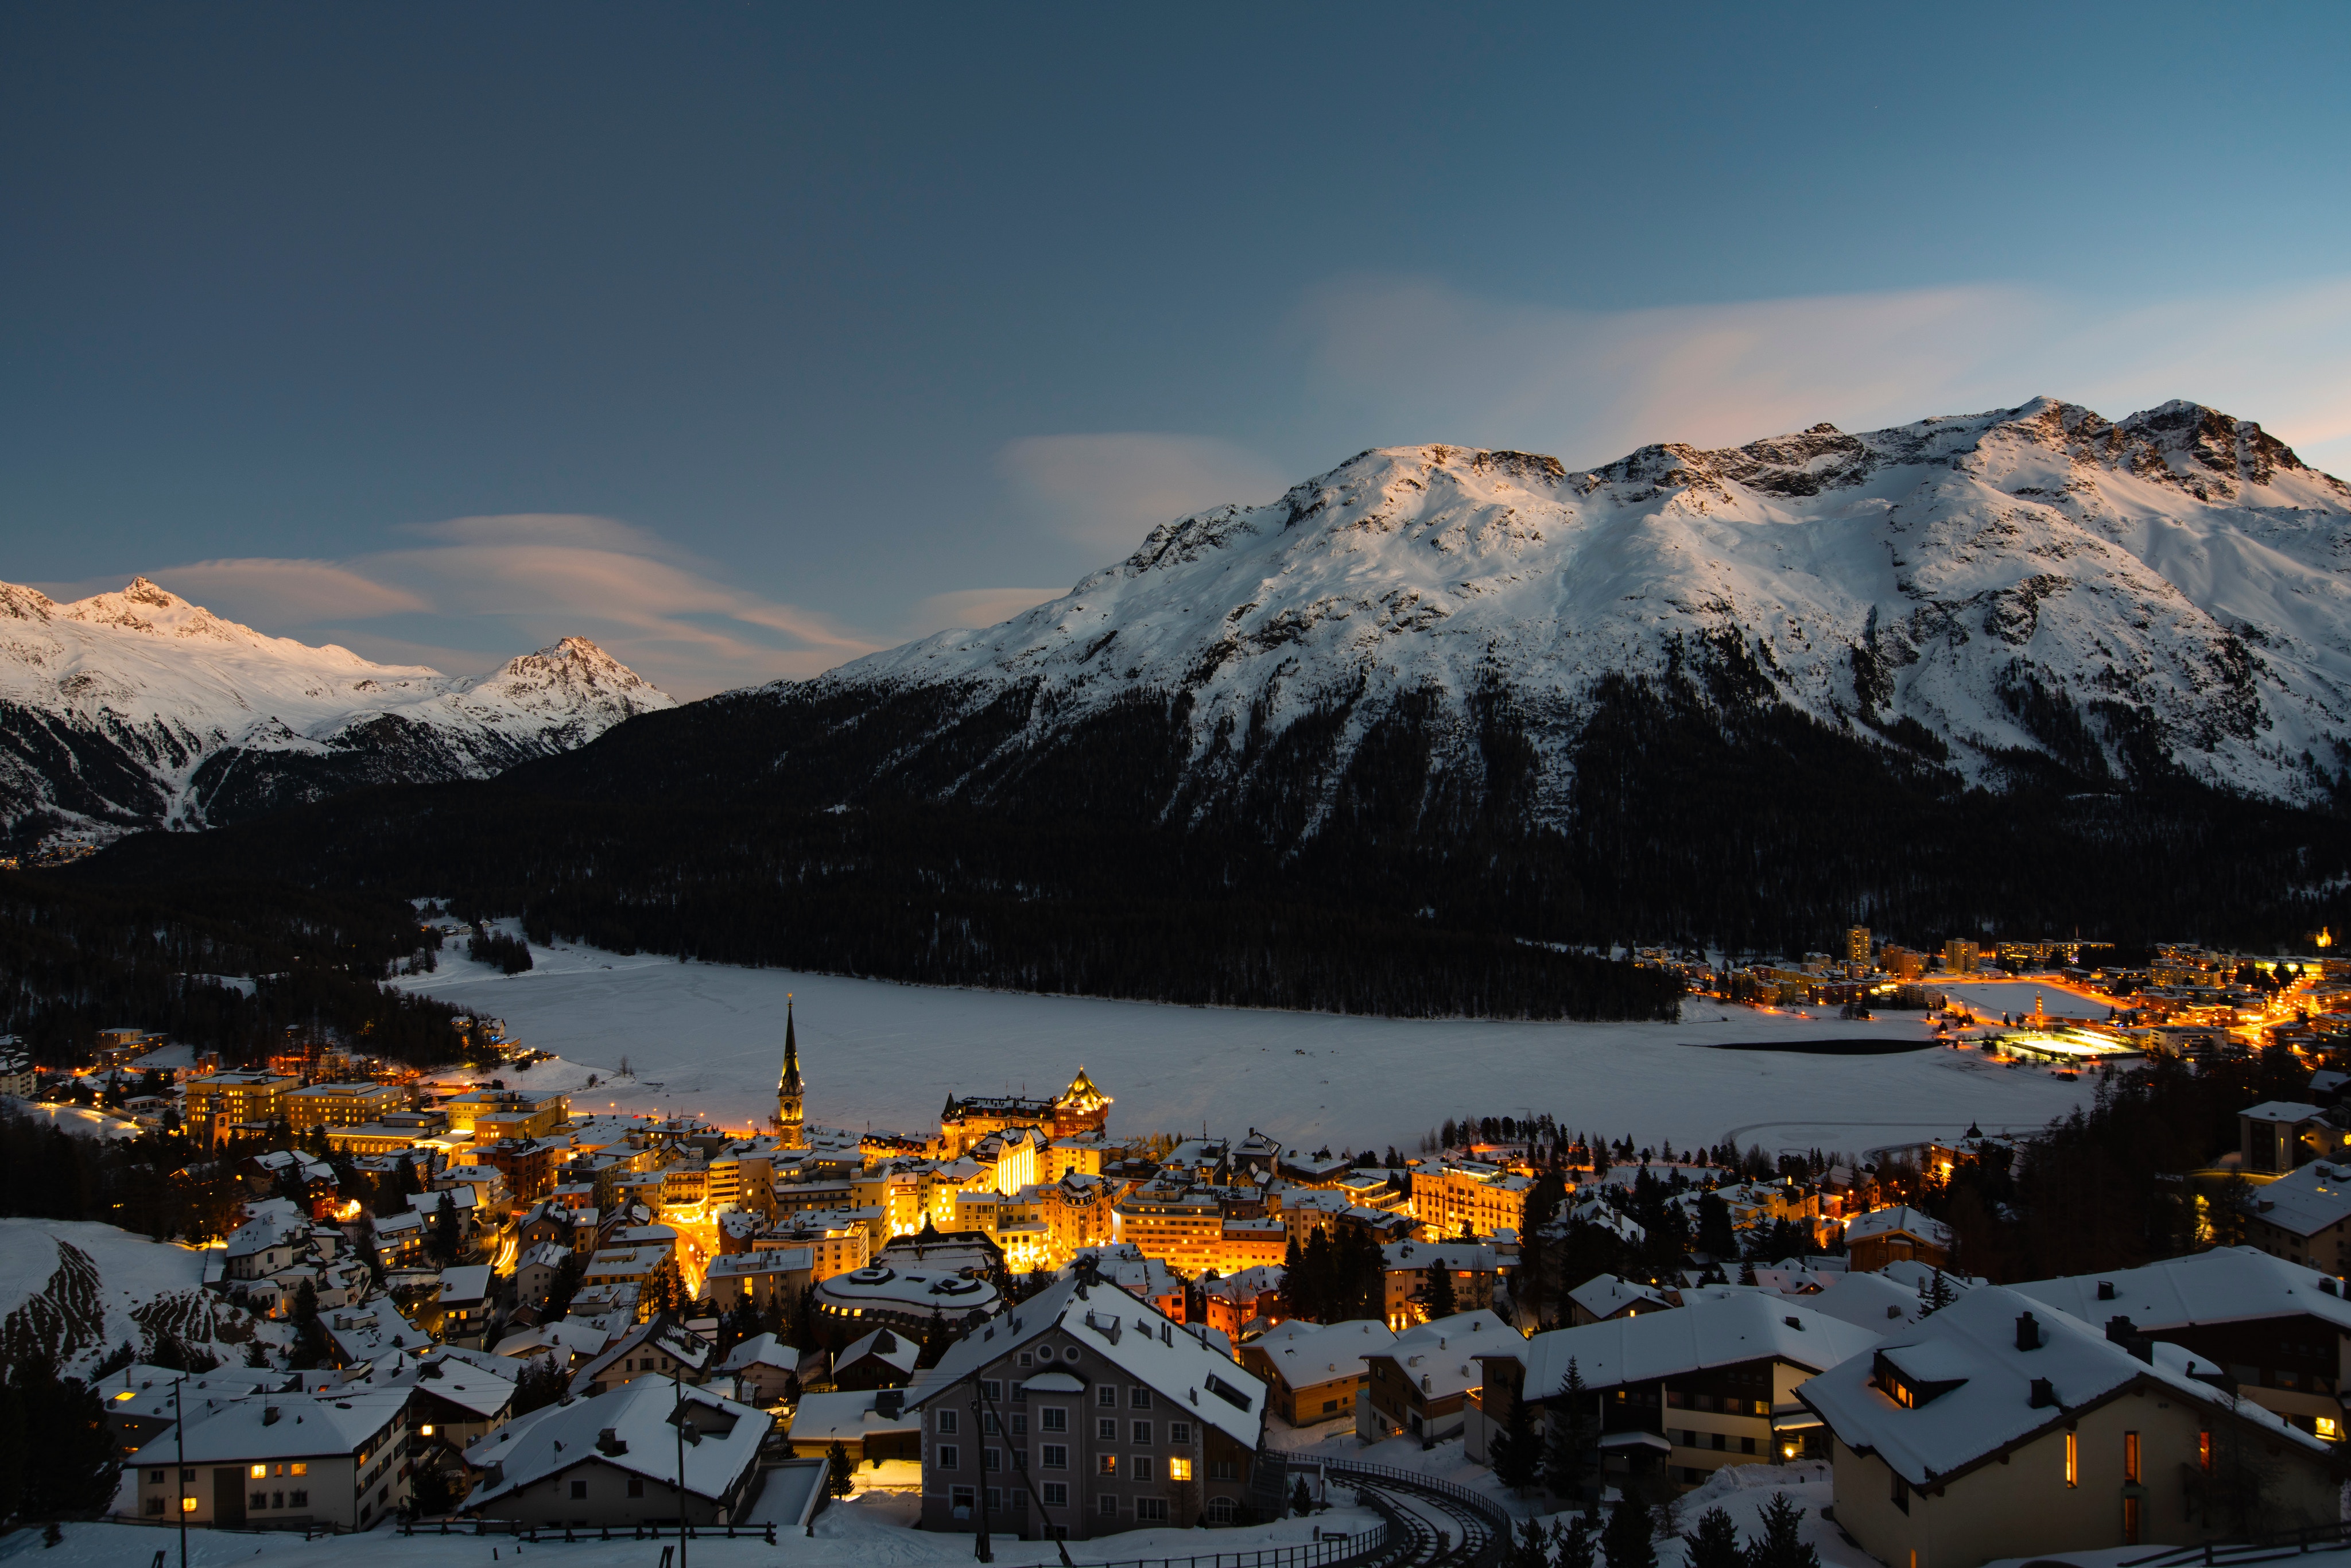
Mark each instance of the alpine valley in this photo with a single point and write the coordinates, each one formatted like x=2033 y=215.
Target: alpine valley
x=138 y=709
x=1407 y=738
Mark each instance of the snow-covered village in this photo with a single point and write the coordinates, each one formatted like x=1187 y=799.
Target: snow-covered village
x=1371 y=786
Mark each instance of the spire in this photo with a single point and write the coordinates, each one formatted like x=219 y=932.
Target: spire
x=790 y=1082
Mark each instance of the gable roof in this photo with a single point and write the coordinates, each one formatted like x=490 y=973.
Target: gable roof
x=1139 y=1340
x=660 y=1332
x=1986 y=1407
x=761 y=1350
x=1442 y=1354
x=2227 y=1284
x=1712 y=1331
x=276 y=1425
x=1605 y=1295
x=894 y=1349
x=1900 y=1219
x=2307 y=1200
x=1302 y=1353
x=553 y=1438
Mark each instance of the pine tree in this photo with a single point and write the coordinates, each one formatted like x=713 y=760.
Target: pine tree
x=839 y=1470
x=1568 y=1452
x=1435 y=1293
x=1530 y=1549
x=1572 y=1541
x=1625 y=1539
x=1938 y=1295
x=1714 y=1543
x=1301 y=1502
x=1781 y=1543
x=1517 y=1449
x=447 y=1238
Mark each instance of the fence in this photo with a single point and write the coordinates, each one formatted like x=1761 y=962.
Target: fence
x=2213 y=1554
x=535 y=1534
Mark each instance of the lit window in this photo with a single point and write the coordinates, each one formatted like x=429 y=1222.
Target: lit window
x=426 y=1428
x=187 y=1505
x=2072 y=1460
x=1179 y=1469
x=301 y=1467
x=2327 y=1427
x=2130 y=1456
x=259 y=1471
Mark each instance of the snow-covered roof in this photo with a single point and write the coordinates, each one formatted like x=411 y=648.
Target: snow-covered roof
x=896 y=1350
x=1142 y=1342
x=464 y=1282
x=1441 y=1355
x=142 y=1390
x=1712 y=1331
x=2286 y=1110
x=848 y=1418
x=1899 y=1219
x=1605 y=1295
x=761 y=1350
x=643 y=1439
x=470 y=1379
x=1870 y=1300
x=2227 y=1284
x=278 y=1426
x=2308 y=1200
x=1986 y=1404
x=662 y=1333
x=1302 y=1353
x=1461 y=1257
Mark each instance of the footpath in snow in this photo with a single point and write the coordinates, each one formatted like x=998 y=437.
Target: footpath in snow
x=708 y=1039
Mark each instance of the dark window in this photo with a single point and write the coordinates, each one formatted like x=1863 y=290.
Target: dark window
x=1139 y=1397
x=1107 y=1505
x=636 y=1485
x=297 y=1499
x=1052 y=1419
x=1901 y=1494
x=257 y=1501
x=991 y=1458
x=1057 y=1494
x=947 y=1423
x=989 y=1388
x=1142 y=1432
x=1106 y=1395
x=1151 y=1510
x=1746 y=1444
x=578 y=1490
x=1054 y=1456
x=1106 y=1429
x=1179 y=1431
x=947 y=1455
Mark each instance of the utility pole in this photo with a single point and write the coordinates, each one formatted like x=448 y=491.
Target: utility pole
x=179 y=1438
x=678 y=1417
x=979 y=1514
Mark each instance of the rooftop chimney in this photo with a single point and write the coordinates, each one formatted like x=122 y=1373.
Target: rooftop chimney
x=2045 y=1394
x=2028 y=1332
x=2105 y=1290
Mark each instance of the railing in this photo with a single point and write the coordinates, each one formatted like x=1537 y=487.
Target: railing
x=1324 y=1553
x=539 y=1534
x=1497 y=1523
x=2293 y=1543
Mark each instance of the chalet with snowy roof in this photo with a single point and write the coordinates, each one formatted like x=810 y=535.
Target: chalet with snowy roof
x=880 y=1359
x=280 y=1461
x=1083 y=1413
x=2001 y=1427
x=1709 y=1384
x=766 y=1371
x=2304 y=1217
x=872 y=1424
x=1884 y=1236
x=2283 y=1332
x=1314 y=1371
x=1419 y=1385
x=1604 y=1297
x=612 y=1459
x=659 y=1347
x=2277 y=1136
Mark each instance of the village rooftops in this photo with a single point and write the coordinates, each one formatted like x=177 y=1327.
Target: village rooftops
x=2227 y=1284
x=1994 y=1369
x=2308 y=1200
x=1707 y=1333
x=1899 y=1219
x=1604 y=1296
x=1441 y=1356
x=279 y=1426
x=1307 y=1354
x=634 y=1428
x=762 y=1350
x=1145 y=1343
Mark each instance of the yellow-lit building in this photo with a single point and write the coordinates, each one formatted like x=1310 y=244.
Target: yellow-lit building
x=342 y=1105
x=226 y=1098
x=489 y=1115
x=832 y=1249
x=1080 y=1108
x=1452 y=1197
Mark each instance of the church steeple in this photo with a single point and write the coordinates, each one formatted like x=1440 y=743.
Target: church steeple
x=789 y=1093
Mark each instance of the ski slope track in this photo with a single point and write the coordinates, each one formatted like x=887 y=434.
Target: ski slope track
x=138 y=709
x=2165 y=594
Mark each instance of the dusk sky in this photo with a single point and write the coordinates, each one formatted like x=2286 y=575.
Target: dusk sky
x=748 y=339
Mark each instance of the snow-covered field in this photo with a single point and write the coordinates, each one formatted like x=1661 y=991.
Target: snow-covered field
x=709 y=1039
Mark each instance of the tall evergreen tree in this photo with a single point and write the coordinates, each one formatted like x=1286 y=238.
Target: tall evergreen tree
x=1626 y=1540
x=1573 y=1438
x=1781 y=1543
x=1714 y=1543
x=1434 y=1295
x=1572 y=1541
x=1517 y=1449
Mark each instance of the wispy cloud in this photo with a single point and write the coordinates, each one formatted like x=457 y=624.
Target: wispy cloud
x=519 y=581
x=1107 y=491
x=975 y=607
x=1412 y=360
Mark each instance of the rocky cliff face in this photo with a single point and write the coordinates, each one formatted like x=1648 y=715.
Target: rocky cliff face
x=2037 y=591
x=138 y=709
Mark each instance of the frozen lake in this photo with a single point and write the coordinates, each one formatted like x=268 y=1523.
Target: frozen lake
x=709 y=1039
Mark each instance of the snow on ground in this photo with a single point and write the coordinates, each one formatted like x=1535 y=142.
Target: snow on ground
x=867 y=1531
x=708 y=1039
x=82 y=1121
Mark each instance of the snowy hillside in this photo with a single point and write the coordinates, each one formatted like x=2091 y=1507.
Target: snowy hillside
x=71 y=1292
x=138 y=709
x=2165 y=593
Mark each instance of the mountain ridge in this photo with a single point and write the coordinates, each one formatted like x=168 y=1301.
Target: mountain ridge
x=138 y=708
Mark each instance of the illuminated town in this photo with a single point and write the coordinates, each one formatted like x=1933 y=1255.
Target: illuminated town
x=389 y=1230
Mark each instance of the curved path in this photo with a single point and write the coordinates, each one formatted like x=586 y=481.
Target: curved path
x=1433 y=1523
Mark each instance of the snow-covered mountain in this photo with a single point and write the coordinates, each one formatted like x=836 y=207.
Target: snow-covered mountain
x=140 y=709
x=1981 y=593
